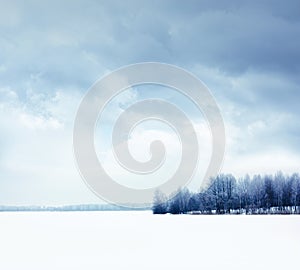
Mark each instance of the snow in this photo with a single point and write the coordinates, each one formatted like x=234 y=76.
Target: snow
x=140 y=240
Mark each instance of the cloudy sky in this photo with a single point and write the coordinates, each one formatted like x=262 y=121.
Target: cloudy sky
x=51 y=52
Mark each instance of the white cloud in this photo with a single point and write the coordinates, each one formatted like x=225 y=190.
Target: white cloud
x=262 y=162
x=36 y=161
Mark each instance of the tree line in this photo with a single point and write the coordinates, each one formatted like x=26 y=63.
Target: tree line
x=267 y=194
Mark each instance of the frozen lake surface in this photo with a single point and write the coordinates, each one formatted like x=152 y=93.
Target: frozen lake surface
x=140 y=240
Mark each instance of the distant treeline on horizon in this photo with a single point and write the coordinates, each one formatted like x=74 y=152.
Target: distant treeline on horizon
x=80 y=207
x=267 y=194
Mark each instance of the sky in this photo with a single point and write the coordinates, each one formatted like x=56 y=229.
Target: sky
x=51 y=52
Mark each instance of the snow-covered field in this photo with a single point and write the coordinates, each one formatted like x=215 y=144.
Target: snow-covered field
x=140 y=240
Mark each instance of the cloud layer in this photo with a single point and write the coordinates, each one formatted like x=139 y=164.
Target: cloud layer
x=51 y=53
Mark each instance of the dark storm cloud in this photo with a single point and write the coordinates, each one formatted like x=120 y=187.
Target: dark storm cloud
x=230 y=35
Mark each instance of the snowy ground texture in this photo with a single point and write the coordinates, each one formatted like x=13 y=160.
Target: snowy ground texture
x=140 y=240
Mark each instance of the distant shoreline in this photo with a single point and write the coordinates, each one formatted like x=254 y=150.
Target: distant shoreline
x=70 y=208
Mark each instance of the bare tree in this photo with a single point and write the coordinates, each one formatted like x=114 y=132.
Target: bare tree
x=160 y=203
